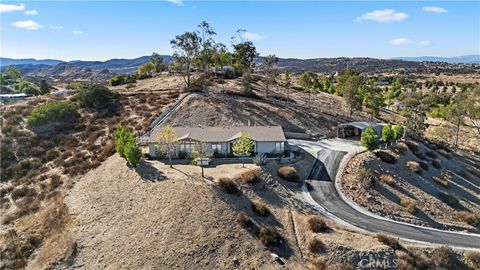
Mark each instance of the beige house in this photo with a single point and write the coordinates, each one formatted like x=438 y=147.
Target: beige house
x=220 y=140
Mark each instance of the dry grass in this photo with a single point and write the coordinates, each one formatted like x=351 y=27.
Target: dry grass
x=473 y=257
x=316 y=245
x=228 y=185
x=414 y=166
x=260 y=208
x=288 y=173
x=317 y=224
x=249 y=177
x=444 y=258
x=470 y=218
x=388 y=240
x=388 y=179
x=319 y=264
x=269 y=236
x=243 y=220
x=409 y=204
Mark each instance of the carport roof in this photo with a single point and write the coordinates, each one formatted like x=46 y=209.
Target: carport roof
x=361 y=125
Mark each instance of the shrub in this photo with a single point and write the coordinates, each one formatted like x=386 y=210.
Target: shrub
x=441 y=181
x=51 y=154
x=444 y=153
x=389 y=241
x=21 y=192
x=249 y=177
x=388 y=134
x=469 y=218
x=369 y=138
x=388 y=179
x=413 y=146
x=269 y=236
x=420 y=155
x=414 y=166
x=228 y=185
x=288 y=173
x=474 y=257
x=95 y=96
x=437 y=163
x=316 y=245
x=317 y=224
x=408 y=204
x=243 y=220
x=401 y=148
x=449 y=199
x=398 y=131
x=444 y=257
x=366 y=178
x=386 y=157
x=319 y=264
x=260 y=208
x=56 y=112
x=424 y=165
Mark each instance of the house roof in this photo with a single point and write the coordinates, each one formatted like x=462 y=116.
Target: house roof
x=225 y=134
x=361 y=125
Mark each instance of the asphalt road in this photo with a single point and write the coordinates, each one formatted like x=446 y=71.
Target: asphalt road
x=321 y=187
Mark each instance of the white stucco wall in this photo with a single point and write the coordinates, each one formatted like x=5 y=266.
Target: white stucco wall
x=267 y=147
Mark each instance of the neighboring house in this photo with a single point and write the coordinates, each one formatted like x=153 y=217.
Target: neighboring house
x=268 y=139
x=355 y=129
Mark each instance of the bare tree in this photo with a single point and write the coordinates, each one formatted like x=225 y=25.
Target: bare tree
x=186 y=48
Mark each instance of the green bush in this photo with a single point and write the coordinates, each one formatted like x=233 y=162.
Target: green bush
x=388 y=134
x=95 y=96
x=126 y=145
x=369 y=138
x=53 y=112
x=122 y=79
x=398 y=131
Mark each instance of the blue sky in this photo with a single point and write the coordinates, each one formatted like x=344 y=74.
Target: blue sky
x=90 y=30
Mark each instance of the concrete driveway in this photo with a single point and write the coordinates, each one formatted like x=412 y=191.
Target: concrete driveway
x=321 y=187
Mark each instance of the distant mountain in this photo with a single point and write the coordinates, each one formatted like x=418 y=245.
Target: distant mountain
x=29 y=61
x=70 y=72
x=464 y=59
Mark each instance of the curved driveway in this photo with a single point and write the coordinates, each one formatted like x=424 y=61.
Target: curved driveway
x=321 y=186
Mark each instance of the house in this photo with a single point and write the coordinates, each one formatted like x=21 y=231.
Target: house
x=268 y=139
x=355 y=129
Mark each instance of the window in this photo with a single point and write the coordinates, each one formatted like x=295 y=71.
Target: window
x=279 y=147
x=216 y=147
x=185 y=147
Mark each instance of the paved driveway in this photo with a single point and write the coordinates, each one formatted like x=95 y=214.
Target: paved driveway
x=321 y=186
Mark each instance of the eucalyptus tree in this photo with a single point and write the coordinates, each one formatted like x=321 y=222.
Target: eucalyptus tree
x=186 y=46
x=270 y=70
x=245 y=53
x=288 y=83
x=207 y=45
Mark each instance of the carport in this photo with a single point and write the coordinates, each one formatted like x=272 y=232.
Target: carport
x=354 y=129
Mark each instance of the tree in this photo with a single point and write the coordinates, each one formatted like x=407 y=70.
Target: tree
x=200 y=152
x=369 y=138
x=186 y=48
x=398 y=131
x=415 y=112
x=44 y=87
x=121 y=137
x=388 y=135
x=95 y=96
x=456 y=112
x=245 y=53
x=132 y=153
x=147 y=69
x=27 y=88
x=287 y=80
x=309 y=81
x=207 y=43
x=126 y=145
x=13 y=73
x=243 y=147
x=270 y=70
x=373 y=100
x=352 y=92
x=342 y=79
x=167 y=140
x=157 y=61
x=223 y=58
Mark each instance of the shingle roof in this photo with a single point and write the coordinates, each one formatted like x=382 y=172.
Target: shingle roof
x=225 y=134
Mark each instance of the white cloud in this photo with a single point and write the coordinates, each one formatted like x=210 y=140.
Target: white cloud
x=55 y=27
x=176 y=2
x=424 y=43
x=10 y=8
x=31 y=12
x=400 y=41
x=77 y=32
x=437 y=10
x=27 y=25
x=252 y=36
x=383 y=16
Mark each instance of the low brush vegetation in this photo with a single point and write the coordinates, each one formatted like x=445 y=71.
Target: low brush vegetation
x=317 y=224
x=366 y=179
x=269 y=236
x=244 y=220
x=437 y=163
x=249 y=177
x=409 y=204
x=260 y=208
x=449 y=199
x=288 y=173
x=401 y=148
x=414 y=167
x=228 y=185
x=469 y=218
x=58 y=114
x=388 y=241
x=386 y=156
x=388 y=179
x=316 y=245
